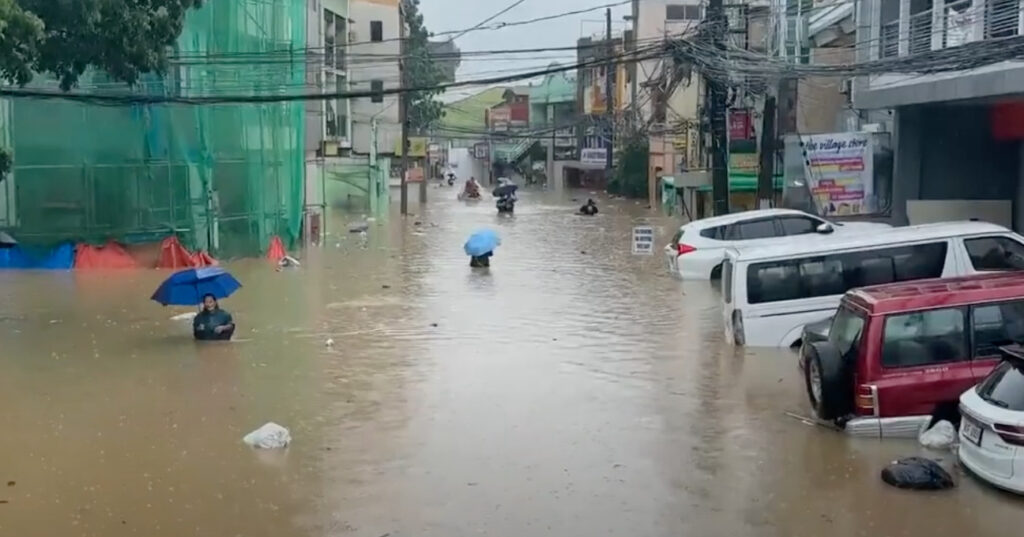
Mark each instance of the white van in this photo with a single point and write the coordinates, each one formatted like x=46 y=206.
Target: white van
x=771 y=293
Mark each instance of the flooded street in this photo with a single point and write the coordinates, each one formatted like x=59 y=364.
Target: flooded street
x=572 y=390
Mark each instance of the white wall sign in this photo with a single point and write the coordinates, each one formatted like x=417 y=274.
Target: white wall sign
x=597 y=156
x=643 y=240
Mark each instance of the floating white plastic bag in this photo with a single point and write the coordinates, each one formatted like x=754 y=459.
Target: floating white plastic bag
x=270 y=436
x=941 y=436
x=185 y=316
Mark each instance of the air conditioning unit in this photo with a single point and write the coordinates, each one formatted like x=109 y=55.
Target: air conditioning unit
x=329 y=148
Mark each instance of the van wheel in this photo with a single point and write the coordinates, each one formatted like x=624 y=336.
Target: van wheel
x=829 y=388
x=716 y=273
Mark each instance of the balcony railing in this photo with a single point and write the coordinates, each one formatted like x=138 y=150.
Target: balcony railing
x=950 y=24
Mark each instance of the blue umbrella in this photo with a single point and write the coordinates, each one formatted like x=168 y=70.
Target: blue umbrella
x=482 y=242
x=188 y=287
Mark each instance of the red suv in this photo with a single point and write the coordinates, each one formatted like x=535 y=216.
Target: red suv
x=899 y=355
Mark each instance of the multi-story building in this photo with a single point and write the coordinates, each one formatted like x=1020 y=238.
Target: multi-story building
x=375 y=46
x=958 y=136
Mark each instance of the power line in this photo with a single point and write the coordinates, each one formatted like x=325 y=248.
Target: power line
x=510 y=7
x=280 y=96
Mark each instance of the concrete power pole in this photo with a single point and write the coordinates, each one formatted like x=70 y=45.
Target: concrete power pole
x=717 y=114
x=609 y=100
x=766 y=167
x=403 y=109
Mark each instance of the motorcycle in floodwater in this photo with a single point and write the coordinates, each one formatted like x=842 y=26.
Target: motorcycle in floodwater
x=506 y=204
x=506 y=194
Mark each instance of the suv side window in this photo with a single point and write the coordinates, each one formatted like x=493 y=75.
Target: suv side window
x=925 y=338
x=995 y=253
x=996 y=325
x=715 y=233
x=755 y=229
x=799 y=225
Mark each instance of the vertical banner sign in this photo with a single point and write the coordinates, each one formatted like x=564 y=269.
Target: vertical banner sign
x=643 y=240
x=840 y=174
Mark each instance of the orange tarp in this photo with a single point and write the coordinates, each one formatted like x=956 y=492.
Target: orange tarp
x=108 y=256
x=173 y=255
x=276 y=250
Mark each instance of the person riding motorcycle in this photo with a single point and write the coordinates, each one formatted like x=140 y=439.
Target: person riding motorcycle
x=471 y=190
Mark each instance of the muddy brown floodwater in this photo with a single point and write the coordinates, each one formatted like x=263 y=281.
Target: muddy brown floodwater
x=574 y=390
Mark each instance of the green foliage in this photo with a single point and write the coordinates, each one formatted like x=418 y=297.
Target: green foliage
x=630 y=175
x=421 y=71
x=125 y=38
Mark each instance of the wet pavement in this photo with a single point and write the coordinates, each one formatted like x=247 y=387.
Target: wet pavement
x=572 y=390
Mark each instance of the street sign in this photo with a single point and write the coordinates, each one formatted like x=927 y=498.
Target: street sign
x=643 y=240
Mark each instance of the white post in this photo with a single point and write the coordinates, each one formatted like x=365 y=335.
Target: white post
x=938 y=24
x=977 y=19
x=904 y=26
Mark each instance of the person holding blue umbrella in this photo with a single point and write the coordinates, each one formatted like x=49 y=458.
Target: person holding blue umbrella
x=480 y=247
x=203 y=286
x=212 y=323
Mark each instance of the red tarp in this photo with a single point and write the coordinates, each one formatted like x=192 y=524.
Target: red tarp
x=203 y=259
x=173 y=255
x=276 y=251
x=108 y=256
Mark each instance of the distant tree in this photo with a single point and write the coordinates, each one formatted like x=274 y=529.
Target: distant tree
x=421 y=71
x=63 y=38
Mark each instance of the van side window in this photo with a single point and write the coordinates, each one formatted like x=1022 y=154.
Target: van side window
x=828 y=275
x=995 y=253
x=925 y=338
x=996 y=325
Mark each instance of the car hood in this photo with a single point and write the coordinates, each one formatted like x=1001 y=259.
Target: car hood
x=817 y=331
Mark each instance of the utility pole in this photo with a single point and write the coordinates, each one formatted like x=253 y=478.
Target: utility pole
x=766 y=167
x=717 y=113
x=403 y=109
x=609 y=100
x=634 y=101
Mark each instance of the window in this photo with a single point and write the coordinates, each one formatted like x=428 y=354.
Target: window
x=377 y=86
x=996 y=325
x=834 y=274
x=822 y=276
x=845 y=331
x=799 y=225
x=715 y=233
x=329 y=43
x=924 y=338
x=758 y=229
x=1005 y=386
x=376 y=31
x=995 y=253
x=682 y=12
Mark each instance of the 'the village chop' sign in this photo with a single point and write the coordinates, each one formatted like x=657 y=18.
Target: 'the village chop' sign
x=643 y=240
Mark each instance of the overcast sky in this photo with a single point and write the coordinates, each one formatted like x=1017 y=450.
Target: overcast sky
x=446 y=15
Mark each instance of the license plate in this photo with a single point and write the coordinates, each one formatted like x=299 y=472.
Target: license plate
x=971 y=431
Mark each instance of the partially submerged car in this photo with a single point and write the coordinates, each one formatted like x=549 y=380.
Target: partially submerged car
x=899 y=356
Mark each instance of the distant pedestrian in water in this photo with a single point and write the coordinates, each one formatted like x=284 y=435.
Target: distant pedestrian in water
x=589 y=208
x=212 y=323
x=481 y=261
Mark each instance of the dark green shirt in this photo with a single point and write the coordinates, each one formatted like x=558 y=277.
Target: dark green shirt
x=206 y=321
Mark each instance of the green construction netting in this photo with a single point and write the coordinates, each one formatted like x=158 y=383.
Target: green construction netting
x=224 y=177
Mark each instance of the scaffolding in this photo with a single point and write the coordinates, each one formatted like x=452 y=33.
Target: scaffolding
x=222 y=177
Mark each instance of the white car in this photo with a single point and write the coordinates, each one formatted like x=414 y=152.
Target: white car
x=698 y=248
x=992 y=427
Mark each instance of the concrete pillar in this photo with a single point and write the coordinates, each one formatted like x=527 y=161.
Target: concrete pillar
x=938 y=23
x=906 y=184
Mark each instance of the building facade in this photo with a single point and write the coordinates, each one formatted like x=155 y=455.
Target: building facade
x=375 y=46
x=958 y=136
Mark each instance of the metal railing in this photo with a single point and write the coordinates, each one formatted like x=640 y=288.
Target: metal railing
x=951 y=24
